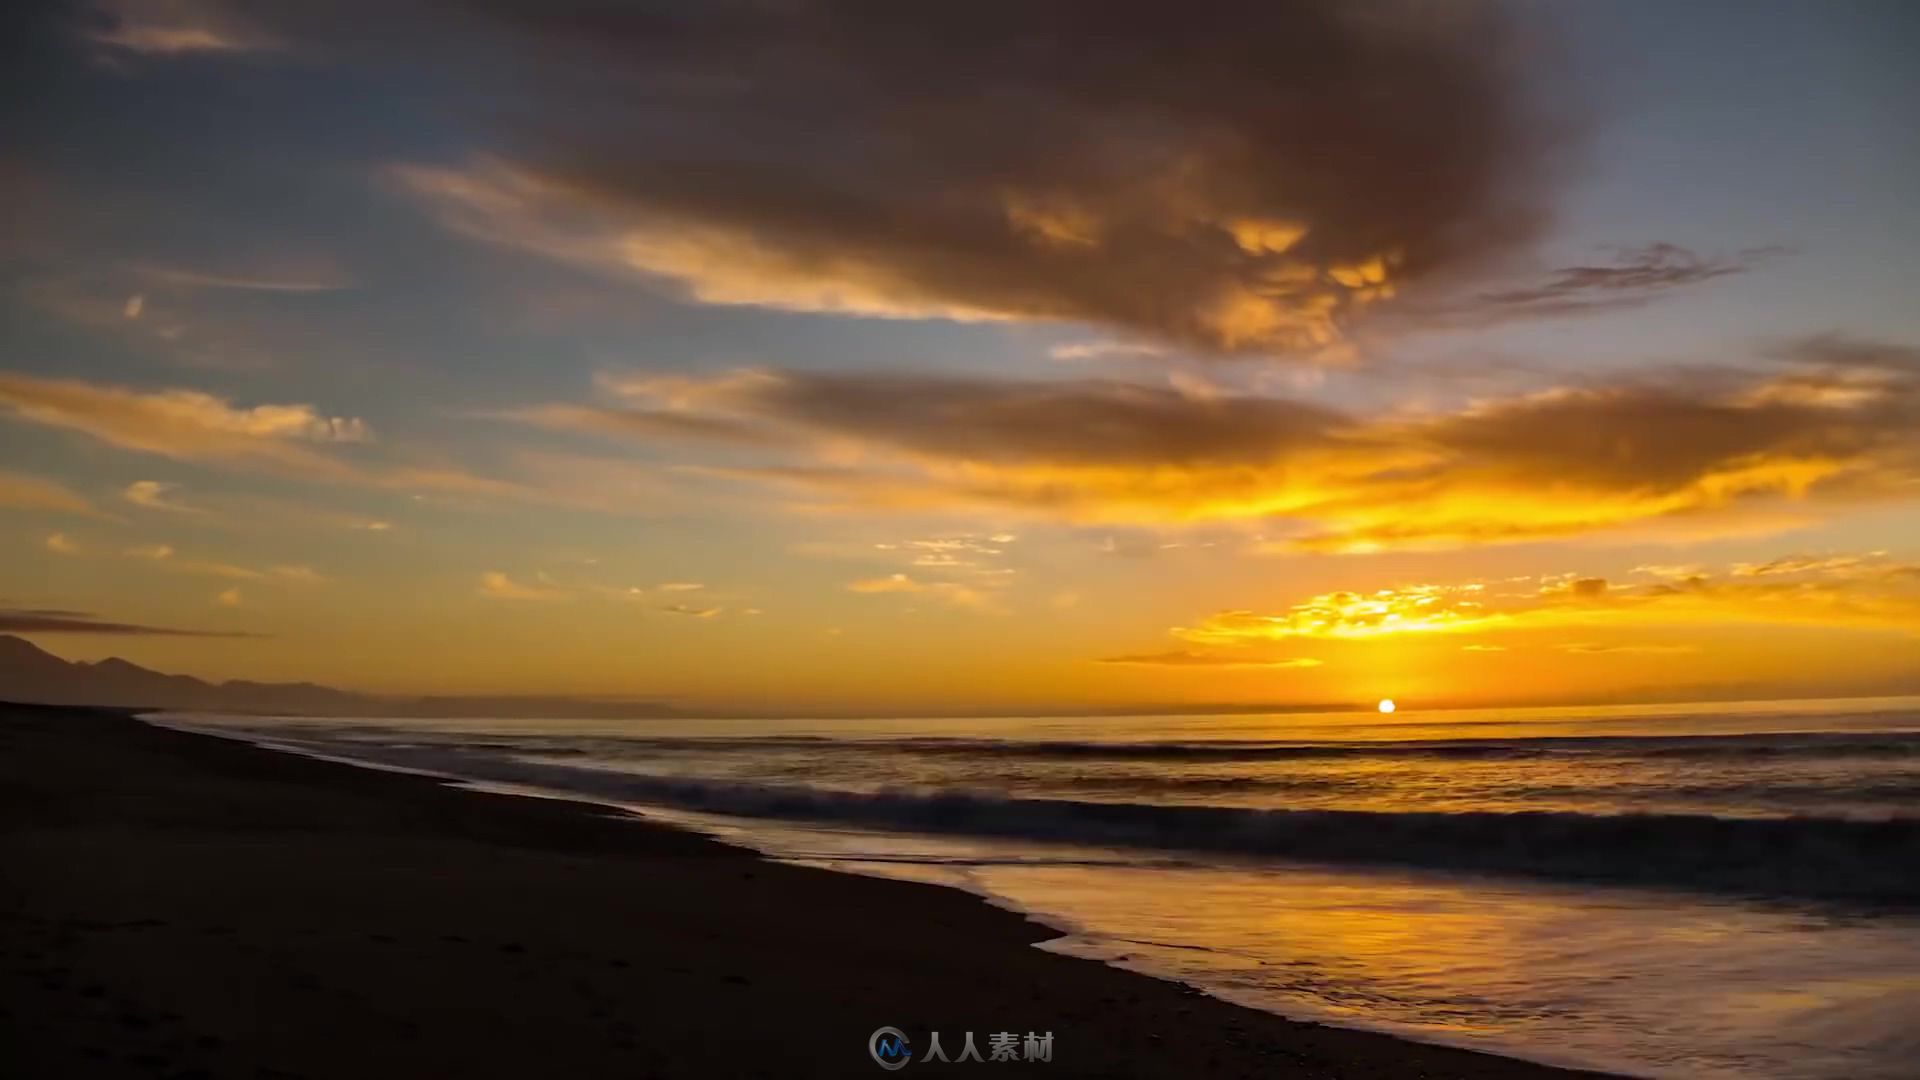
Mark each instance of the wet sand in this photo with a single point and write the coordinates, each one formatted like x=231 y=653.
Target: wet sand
x=178 y=905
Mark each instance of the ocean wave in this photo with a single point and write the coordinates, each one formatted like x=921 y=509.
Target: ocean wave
x=1802 y=857
x=1870 y=745
x=1703 y=747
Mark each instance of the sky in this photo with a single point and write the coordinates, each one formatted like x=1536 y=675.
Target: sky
x=872 y=357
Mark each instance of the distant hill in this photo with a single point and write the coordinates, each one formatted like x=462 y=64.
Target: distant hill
x=29 y=673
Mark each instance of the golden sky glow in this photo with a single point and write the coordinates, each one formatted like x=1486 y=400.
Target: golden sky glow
x=679 y=360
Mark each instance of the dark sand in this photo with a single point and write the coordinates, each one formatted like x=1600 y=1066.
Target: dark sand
x=176 y=905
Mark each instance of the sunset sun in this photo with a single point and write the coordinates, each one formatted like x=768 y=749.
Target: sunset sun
x=1386 y=705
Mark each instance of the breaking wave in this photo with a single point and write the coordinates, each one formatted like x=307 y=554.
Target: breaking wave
x=1874 y=861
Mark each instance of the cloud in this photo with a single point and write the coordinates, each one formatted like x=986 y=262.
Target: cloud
x=1090 y=422
x=60 y=544
x=54 y=621
x=1688 y=451
x=292 y=440
x=225 y=570
x=230 y=598
x=246 y=512
x=25 y=492
x=1188 y=658
x=1671 y=572
x=1101 y=350
x=1868 y=592
x=545 y=586
x=1800 y=564
x=165 y=555
x=690 y=611
x=1289 y=165
x=1844 y=353
x=318 y=280
x=185 y=425
x=499 y=586
x=152 y=494
x=175 y=28
x=974 y=559
x=628 y=423
x=967 y=554
x=1633 y=278
x=1405 y=610
x=949 y=592
x=1583 y=648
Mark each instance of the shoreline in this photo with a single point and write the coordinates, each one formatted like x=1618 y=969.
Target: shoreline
x=192 y=904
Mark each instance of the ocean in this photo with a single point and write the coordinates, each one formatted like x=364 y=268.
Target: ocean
x=1672 y=891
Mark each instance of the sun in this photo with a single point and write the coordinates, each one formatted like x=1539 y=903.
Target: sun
x=1386 y=705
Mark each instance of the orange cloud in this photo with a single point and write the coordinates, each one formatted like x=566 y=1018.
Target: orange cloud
x=716 y=264
x=165 y=555
x=1864 y=592
x=1284 y=302
x=954 y=593
x=183 y=424
x=1695 y=452
x=691 y=612
x=1589 y=649
x=1183 y=216
x=35 y=493
x=152 y=494
x=1409 y=610
x=1183 y=658
x=496 y=585
x=296 y=441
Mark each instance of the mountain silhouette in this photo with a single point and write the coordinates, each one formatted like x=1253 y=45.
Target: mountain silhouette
x=30 y=674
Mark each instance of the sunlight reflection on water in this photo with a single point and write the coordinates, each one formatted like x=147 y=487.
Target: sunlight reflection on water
x=1668 y=983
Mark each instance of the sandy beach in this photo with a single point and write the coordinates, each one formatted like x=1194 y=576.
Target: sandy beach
x=181 y=905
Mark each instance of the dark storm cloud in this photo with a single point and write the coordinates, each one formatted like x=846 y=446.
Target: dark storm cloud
x=1229 y=174
x=1088 y=422
x=1082 y=422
